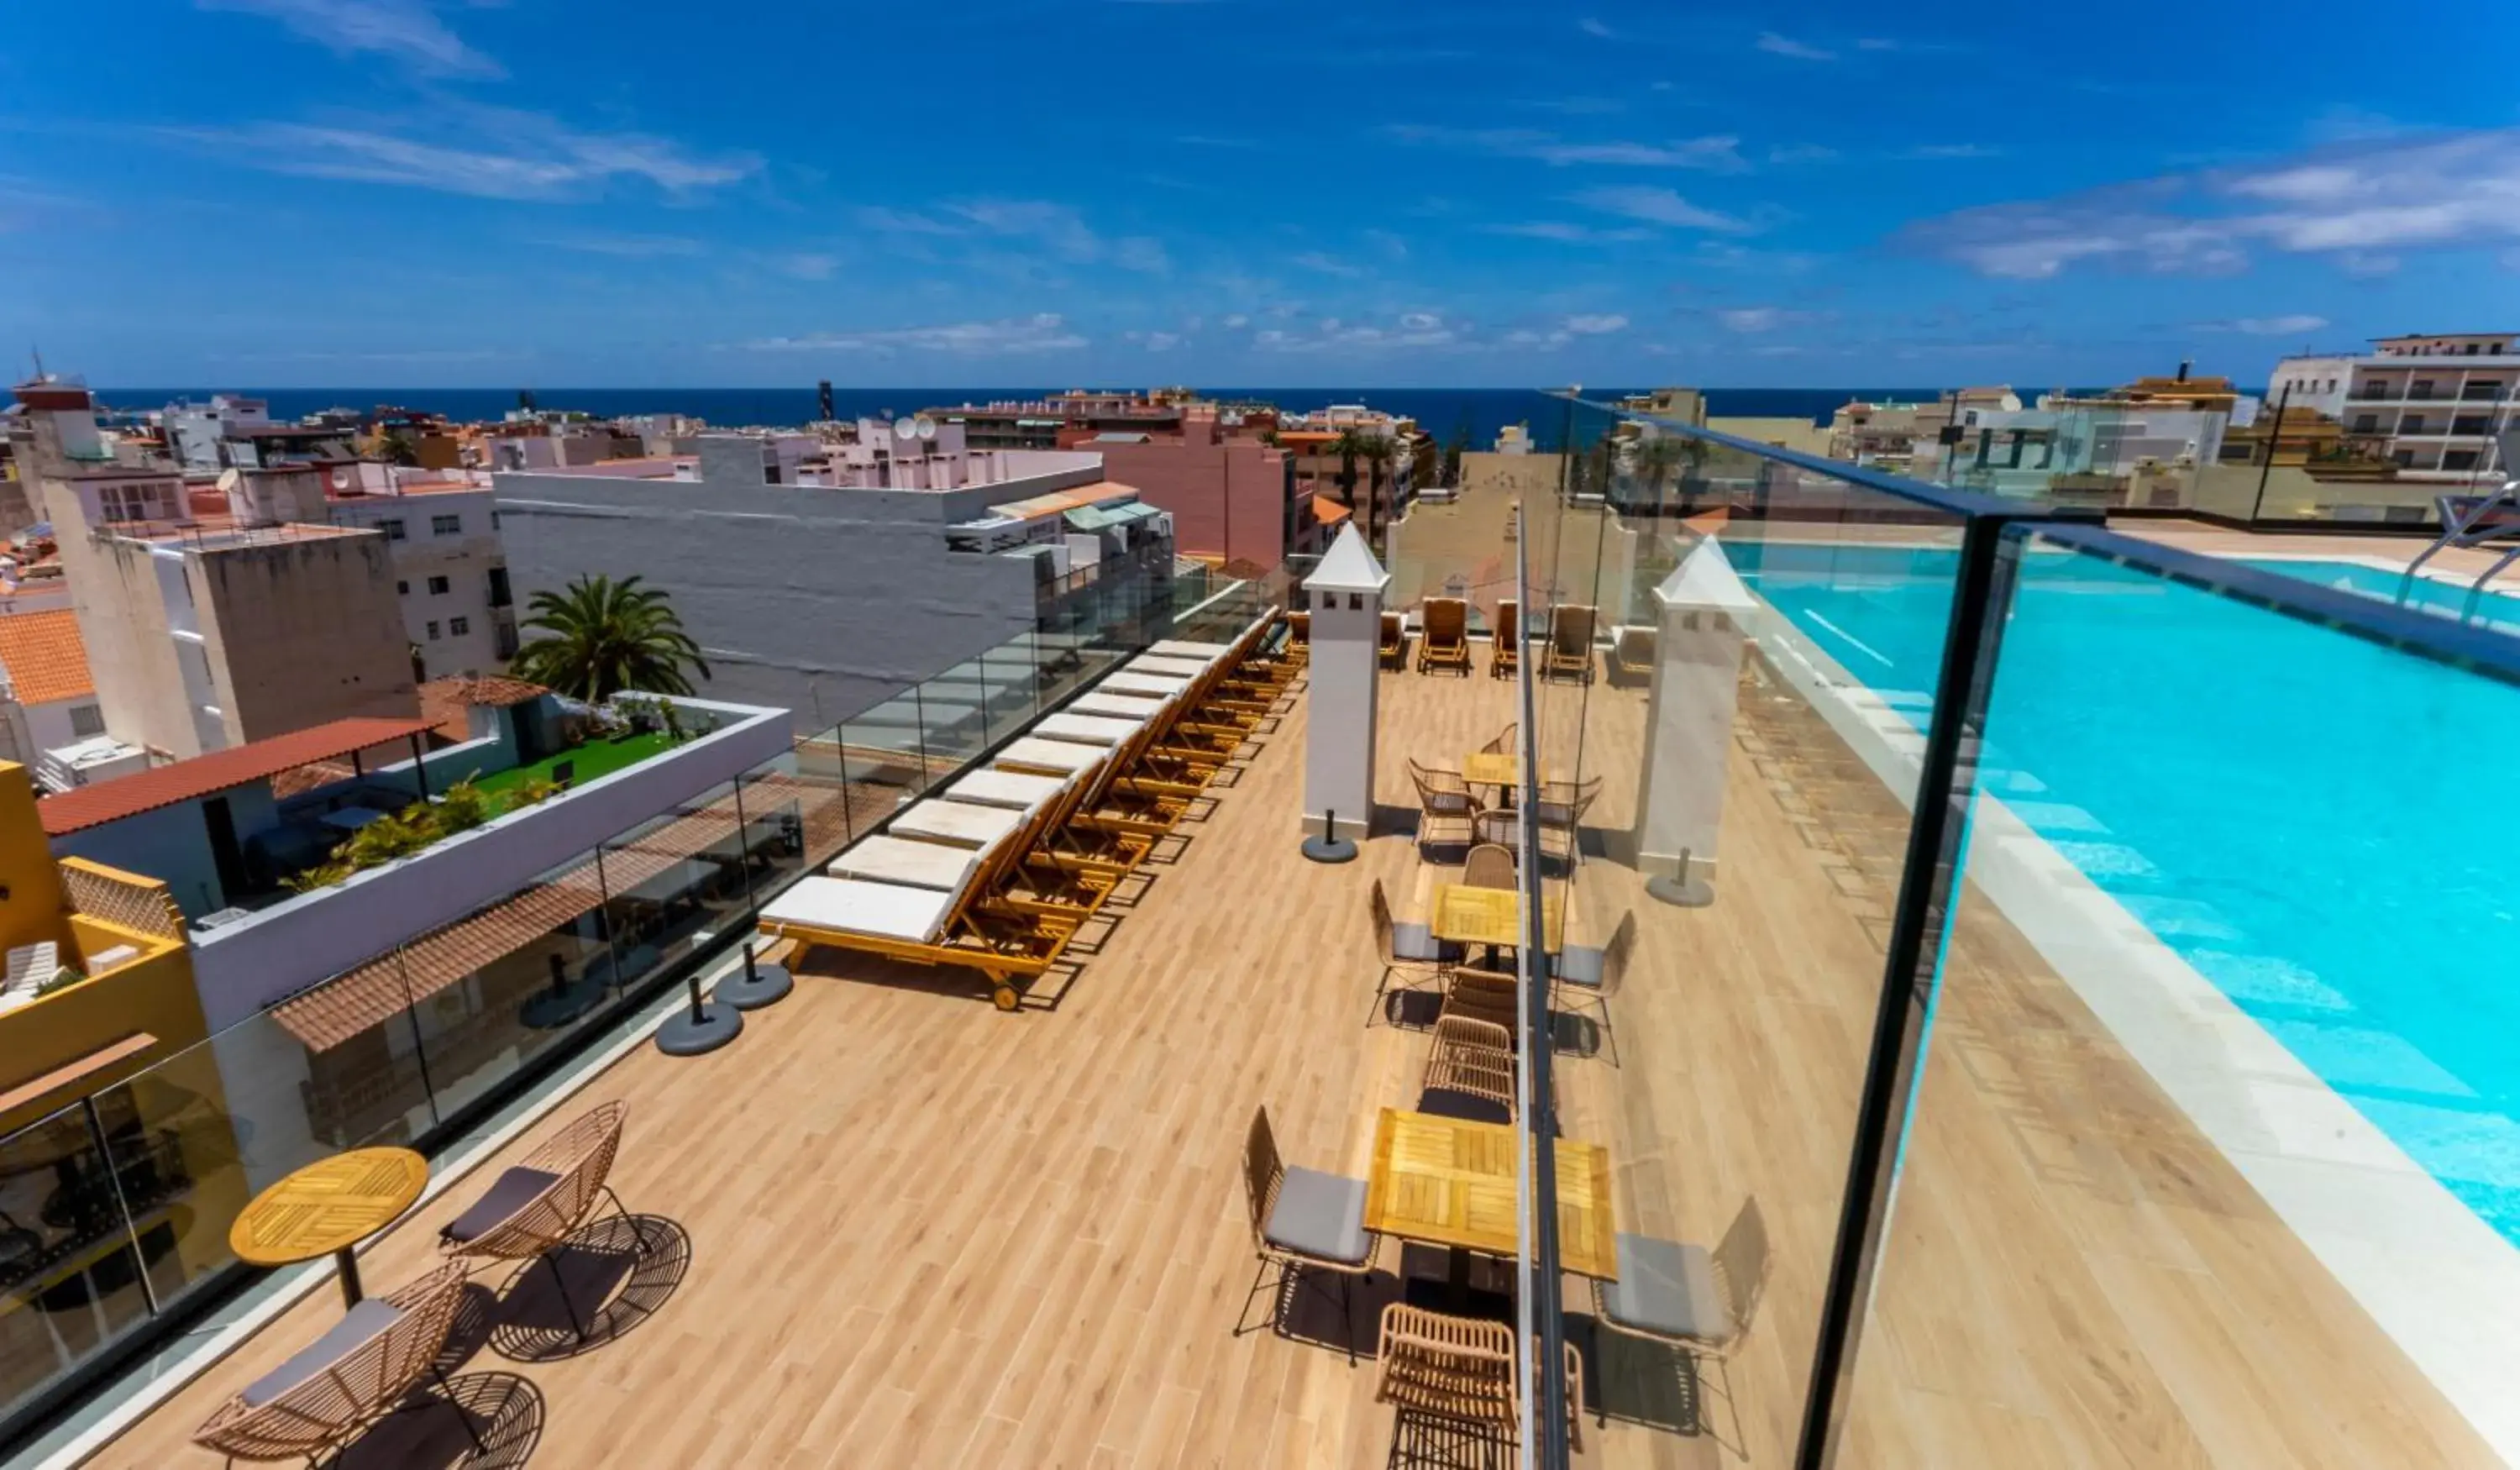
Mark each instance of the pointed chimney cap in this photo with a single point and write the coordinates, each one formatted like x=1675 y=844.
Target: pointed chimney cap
x=1348 y=566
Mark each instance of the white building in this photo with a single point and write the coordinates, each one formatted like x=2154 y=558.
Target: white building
x=2435 y=401
x=47 y=697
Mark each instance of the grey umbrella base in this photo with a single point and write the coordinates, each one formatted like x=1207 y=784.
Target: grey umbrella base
x=690 y=1033
x=759 y=986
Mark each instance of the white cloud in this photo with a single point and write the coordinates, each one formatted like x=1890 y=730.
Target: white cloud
x=1716 y=154
x=1235 y=322
x=1569 y=233
x=1935 y=151
x=501 y=154
x=808 y=265
x=628 y=246
x=1753 y=320
x=1388 y=243
x=2285 y=326
x=1660 y=207
x=1595 y=29
x=1777 y=45
x=405 y=29
x=2355 y=203
x=1415 y=330
x=1801 y=152
x=1156 y=341
x=1056 y=228
x=1043 y=331
x=1596 y=325
x=1327 y=265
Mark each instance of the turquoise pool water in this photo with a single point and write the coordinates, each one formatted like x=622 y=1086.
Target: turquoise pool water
x=2313 y=823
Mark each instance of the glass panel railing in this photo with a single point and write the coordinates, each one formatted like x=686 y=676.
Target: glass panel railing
x=70 y=1269
x=2220 y=1064
x=1698 y=693
x=674 y=886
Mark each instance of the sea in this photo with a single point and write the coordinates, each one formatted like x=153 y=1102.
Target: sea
x=1438 y=411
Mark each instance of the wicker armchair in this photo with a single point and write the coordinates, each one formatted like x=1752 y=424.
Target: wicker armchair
x=533 y=1208
x=1490 y=864
x=1589 y=978
x=353 y=1375
x=1304 y=1220
x=1406 y=949
x=1687 y=1296
x=1469 y=1071
x=1479 y=994
x=1463 y=1369
x=1442 y=795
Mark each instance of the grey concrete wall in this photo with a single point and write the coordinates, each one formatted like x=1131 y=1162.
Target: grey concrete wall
x=821 y=602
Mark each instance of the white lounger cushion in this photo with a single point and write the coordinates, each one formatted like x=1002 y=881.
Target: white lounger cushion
x=1180 y=668
x=1176 y=648
x=912 y=865
x=846 y=906
x=1065 y=757
x=1012 y=789
x=1159 y=685
x=1085 y=730
x=1116 y=706
x=960 y=820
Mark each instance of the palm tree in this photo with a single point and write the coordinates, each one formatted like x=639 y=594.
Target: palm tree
x=1348 y=446
x=603 y=636
x=1652 y=464
x=1377 y=451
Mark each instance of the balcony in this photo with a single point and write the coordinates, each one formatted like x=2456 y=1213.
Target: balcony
x=895 y=1226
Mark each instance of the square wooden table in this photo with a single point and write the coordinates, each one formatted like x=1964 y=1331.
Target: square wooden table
x=1448 y=1182
x=1493 y=768
x=1492 y=916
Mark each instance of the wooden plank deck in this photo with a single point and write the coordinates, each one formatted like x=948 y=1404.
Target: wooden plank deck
x=908 y=1231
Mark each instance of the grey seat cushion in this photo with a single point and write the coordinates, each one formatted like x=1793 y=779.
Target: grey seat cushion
x=1554 y=814
x=511 y=1192
x=1581 y=964
x=1322 y=1215
x=357 y=1326
x=1452 y=802
x=1417 y=941
x=1453 y=1103
x=1667 y=1289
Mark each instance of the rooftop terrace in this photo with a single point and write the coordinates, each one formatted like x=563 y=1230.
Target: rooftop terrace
x=892 y=1225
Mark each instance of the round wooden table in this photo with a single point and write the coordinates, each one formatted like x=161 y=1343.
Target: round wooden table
x=327 y=1208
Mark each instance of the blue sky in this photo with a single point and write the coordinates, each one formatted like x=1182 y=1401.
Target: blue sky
x=543 y=192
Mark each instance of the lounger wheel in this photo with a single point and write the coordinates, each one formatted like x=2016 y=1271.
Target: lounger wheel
x=1002 y=995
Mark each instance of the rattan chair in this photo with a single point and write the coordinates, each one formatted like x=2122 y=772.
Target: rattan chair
x=1463 y=1371
x=1587 y=977
x=1570 y=642
x=1562 y=808
x=1490 y=864
x=1304 y=1220
x=1686 y=1297
x=1469 y=1071
x=1480 y=996
x=1444 y=638
x=535 y=1206
x=1442 y=795
x=1406 y=949
x=1502 y=742
x=355 y=1374
x=1506 y=652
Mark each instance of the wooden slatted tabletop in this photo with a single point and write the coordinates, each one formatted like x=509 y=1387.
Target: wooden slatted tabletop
x=1448 y=1182
x=328 y=1206
x=1465 y=914
x=1488 y=767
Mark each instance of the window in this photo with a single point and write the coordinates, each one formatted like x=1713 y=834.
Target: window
x=2404 y=459
x=2421 y=387
x=2413 y=423
x=402 y=589
x=86 y=720
x=446 y=525
x=392 y=529
x=2366 y=423
x=2472 y=423
x=2458 y=458
x=459 y=626
x=432 y=630
x=2483 y=390
x=438 y=587
x=494 y=520
x=500 y=596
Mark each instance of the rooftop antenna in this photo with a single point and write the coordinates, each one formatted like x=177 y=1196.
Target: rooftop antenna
x=39 y=361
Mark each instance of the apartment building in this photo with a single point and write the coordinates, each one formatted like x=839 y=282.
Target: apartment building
x=893 y=559
x=47 y=697
x=208 y=632
x=2432 y=405
x=450 y=567
x=1234 y=499
x=1078 y=413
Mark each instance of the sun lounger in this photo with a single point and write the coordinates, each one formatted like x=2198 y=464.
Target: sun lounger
x=1053 y=757
x=1176 y=648
x=1085 y=729
x=1116 y=706
x=1179 y=668
x=1152 y=686
x=1019 y=790
x=912 y=864
x=959 y=821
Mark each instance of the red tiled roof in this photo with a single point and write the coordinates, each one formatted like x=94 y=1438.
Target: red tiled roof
x=44 y=656
x=443 y=701
x=208 y=774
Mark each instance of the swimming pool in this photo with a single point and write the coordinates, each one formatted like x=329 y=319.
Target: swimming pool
x=2306 y=819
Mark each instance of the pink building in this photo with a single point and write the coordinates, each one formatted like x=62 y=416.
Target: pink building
x=1231 y=499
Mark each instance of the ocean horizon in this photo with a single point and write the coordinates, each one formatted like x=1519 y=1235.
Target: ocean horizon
x=1437 y=411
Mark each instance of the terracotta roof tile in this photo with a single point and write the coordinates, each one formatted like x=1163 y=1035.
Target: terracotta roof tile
x=207 y=775
x=45 y=657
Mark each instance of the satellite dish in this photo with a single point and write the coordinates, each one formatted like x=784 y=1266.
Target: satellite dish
x=927 y=426
x=904 y=429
